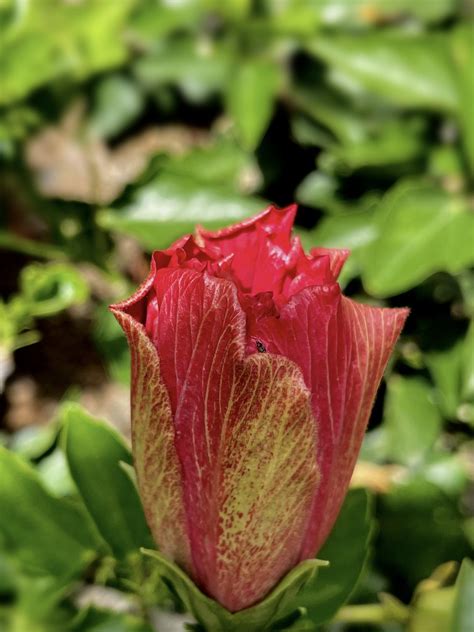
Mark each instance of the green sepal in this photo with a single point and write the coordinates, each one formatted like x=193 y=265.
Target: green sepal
x=276 y=612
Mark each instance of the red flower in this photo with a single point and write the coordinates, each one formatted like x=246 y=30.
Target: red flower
x=252 y=383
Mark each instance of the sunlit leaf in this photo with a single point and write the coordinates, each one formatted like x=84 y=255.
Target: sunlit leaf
x=250 y=96
x=411 y=70
x=421 y=230
x=412 y=419
x=170 y=206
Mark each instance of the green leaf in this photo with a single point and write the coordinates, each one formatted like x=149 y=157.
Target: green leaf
x=33 y=441
x=420 y=527
x=171 y=206
x=421 y=230
x=370 y=138
x=279 y=604
x=462 y=50
x=251 y=93
x=47 y=535
x=39 y=605
x=463 y=615
x=446 y=369
x=467 y=368
x=411 y=70
x=118 y=102
x=222 y=162
x=94 y=452
x=102 y=621
x=151 y=20
x=54 y=473
x=412 y=420
x=347 y=550
x=199 y=69
x=52 y=40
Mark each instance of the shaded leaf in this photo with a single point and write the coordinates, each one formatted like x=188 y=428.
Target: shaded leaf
x=463 y=615
x=347 y=550
x=419 y=528
x=94 y=452
x=47 y=535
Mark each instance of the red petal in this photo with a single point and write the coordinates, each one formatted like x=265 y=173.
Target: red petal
x=342 y=348
x=245 y=436
x=337 y=257
x=259 y=246
x=156 y=462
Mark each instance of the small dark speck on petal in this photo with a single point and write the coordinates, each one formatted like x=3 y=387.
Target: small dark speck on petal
x=260 y=346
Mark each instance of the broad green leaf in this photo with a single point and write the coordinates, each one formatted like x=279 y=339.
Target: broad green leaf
x=251 y=93
x=94 y=452
x=199 y=69
x=53 y=40
x=171 y=206
x=468 y=364
x=347 y=550
x=8 y=574
x=366 y=138
x=411 y=70
x=462 y=50
x=118 y=102
x=463 y=615
x=317 y=189
x=45 y=534
x=351 y=230
x=446 y=369
x=32 y=442
x=412 y=419
x=55 y=476
x=421 y=230
x=151 y=21
x=332 y=111
x=420 y=527
x=447 y=471
x=396 y=142
x=279 y=604
x=221 y=162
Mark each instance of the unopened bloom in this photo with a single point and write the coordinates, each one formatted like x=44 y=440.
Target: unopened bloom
x=252 y=382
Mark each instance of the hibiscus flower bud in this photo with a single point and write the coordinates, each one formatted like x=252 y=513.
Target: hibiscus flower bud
x=252 y=383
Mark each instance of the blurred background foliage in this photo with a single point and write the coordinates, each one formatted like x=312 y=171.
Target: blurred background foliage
x=123 y=123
